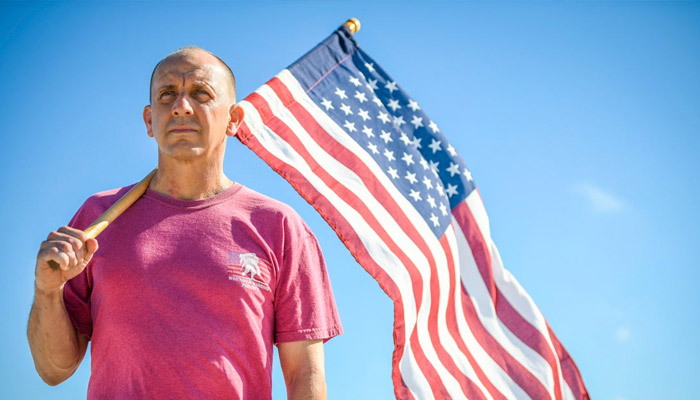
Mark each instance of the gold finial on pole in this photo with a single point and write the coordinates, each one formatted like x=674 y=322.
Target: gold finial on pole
x=353 y=24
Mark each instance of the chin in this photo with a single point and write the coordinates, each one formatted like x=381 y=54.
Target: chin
x=185 y=154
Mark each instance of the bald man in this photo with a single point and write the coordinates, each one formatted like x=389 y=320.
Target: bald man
x=193 y=285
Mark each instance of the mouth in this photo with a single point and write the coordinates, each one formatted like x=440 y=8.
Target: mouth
x=183 y=129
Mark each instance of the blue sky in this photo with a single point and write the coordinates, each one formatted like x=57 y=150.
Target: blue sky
x=578 y=120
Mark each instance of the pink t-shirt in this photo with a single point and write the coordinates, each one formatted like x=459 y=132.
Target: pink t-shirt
x=184 y=299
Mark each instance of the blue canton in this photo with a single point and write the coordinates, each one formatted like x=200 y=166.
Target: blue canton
x=381 y=117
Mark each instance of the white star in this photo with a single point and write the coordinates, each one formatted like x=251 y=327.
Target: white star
x=393 y=172
x=434 y=167
x=376 y=101
x=424 y=163
x=431 y=201
x=411 y=177
x=389 y=155
x=415 y=194
x=451 y=189
x=404 y=138
x=416 y=142
x=443 y=209
x=468 y=175
x=360 y=96
x=364 y=114
x=349 y=126
x=372 y=84
x=341 y=93
x=398 y=121
x=355 y=81
x=451 y=150
x=386 y=136
x=394 y=105
x=384 y=117
x=440 y=190
x=370 y=66
x=327 y=104
x=367 y=131
x=346 y=109
x=435 y=145
x=417 y=121
x=408 y=159
x=434 y=127
x=413 y=105
x=427 y=182
x=373 y=147
x=453 y=169
x=434 y=219
x=391 y=86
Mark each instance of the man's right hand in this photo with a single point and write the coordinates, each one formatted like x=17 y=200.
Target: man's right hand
x=70 y=249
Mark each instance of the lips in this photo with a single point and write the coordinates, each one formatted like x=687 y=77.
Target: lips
x=182 y=129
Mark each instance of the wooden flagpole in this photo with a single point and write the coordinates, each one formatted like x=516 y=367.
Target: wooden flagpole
x=129 y=198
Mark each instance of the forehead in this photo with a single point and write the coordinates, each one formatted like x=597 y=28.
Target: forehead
x=189 y=68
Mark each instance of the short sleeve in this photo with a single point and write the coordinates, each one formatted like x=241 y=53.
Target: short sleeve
x=304 y=305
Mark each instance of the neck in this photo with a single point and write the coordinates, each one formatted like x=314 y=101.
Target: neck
x=190 y=180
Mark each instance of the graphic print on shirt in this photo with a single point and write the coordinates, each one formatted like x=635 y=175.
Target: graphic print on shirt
x=247 y=269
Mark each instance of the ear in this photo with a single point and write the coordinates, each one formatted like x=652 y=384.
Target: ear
x=147 y=120
x=236 y=113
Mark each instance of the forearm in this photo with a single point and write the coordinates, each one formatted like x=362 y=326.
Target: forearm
x=56 y=347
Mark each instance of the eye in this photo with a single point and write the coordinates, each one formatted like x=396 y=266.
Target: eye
x=167 y=95
x=202 y=95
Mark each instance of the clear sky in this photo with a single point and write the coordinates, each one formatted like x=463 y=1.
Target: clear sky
x=579 y=121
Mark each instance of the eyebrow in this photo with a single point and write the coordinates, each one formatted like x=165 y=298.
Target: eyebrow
x=208 y=87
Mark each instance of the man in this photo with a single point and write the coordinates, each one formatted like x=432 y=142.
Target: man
x=194 y=283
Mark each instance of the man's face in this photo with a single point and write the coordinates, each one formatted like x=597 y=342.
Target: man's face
x=190 y=112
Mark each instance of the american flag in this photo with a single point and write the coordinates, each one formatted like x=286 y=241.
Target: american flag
x=377 y=168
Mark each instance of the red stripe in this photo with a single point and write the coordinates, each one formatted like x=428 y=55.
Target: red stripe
x=473 y=391
x=569 y=369
x=520 y=375
x=529 y=335
x=526 y=332
x=352 y=162
x=280 y=128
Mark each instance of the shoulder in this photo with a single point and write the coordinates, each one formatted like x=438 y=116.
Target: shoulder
x=267 y=210
x=95 y=205
x=259 y=203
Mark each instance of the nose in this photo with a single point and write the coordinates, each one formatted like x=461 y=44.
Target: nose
x=182 y=106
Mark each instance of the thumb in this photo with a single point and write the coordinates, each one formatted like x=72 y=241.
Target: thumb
x=90 y=247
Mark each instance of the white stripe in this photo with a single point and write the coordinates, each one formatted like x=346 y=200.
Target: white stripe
x=424 y=230
x=505 y=281
x=405 y=242
x=566 y=392
x=416 y=382
x=497 y=376
x=519 y=299
x=472 y=345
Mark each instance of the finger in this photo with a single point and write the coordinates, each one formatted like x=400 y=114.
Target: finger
x=76 y=233
x=91 y=247
x=76 y=243
x=67 y=249
x=60 y=251
x=60 y=258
